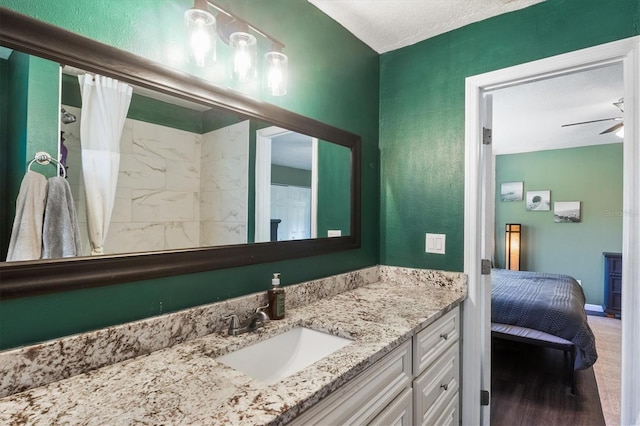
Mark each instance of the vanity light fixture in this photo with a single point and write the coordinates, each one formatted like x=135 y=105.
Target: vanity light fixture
x=201 y=34
x=244 y=47
x=512 y=246
x=203 y=30
x=276 y=68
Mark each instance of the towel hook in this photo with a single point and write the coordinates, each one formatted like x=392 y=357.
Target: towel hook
x=43 y=158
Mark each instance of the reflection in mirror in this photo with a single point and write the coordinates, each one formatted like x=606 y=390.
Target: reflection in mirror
x=183 y=178
x=184 y=168
x=293 y=189
x=303 y=183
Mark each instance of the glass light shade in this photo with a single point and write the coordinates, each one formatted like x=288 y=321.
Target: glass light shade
x=620 y=133
x=276 y=73
x=512 y=246
x=201 y=37
x=244 y=47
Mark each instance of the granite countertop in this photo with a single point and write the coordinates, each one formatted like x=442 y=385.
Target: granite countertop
x=184 y=384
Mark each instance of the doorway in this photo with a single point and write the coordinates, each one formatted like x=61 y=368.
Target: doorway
x=477 y=306
x=537 y=149
x=286 y=185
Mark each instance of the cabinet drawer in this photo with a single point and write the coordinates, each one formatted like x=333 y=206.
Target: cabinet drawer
x=367 y=395
x=398 y=413
x=434 y=388
x=431 y=342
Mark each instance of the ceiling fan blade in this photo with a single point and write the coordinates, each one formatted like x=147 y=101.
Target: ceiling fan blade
x=593 y=121
x=613 y=128
x=620 y=104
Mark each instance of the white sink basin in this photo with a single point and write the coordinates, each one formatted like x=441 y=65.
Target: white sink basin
x=271 y=360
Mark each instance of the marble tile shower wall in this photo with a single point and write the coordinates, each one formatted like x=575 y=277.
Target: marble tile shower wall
x=159 y=204
x=224 y=185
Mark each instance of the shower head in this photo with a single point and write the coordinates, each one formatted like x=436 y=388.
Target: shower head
x=67 y=117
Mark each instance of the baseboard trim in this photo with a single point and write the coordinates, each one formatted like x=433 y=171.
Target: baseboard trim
x=594 y=308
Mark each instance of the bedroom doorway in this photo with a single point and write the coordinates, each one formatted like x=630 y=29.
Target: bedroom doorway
x=476 y=323
x=535 y=150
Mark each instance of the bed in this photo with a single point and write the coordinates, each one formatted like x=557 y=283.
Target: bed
x=543 y=309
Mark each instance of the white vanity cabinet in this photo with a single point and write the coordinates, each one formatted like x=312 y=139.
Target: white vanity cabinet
x=375 y=394
x=436 y=364
x=417 y=383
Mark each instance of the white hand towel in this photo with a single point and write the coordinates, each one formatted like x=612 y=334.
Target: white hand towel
x=60 y=233
x=26 y=235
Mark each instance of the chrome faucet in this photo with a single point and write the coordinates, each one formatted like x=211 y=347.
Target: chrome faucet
x=254 y=322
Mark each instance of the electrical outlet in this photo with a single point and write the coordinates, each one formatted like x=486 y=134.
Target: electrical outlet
x=334 y=233
x=435 y=243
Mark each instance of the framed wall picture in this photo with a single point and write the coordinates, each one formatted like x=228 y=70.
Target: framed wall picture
x=511 y=191
x=538 y=200
x=566 y=211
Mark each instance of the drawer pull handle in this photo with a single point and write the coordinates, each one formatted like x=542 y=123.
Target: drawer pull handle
x=445 y=386
x=444 y=336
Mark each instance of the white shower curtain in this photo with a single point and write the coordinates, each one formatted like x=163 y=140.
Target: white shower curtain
x=105 y=102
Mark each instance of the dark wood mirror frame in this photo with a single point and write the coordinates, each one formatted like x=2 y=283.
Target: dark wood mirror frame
x=19 y=279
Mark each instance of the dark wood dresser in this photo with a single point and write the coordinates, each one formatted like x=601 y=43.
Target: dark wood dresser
x=612 y=283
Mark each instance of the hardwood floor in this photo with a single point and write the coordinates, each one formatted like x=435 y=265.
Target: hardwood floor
x=530 y=386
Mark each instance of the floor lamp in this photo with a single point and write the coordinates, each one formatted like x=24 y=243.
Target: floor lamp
x=512 y=246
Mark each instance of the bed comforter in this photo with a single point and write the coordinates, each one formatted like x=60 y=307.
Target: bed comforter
x=546 y=302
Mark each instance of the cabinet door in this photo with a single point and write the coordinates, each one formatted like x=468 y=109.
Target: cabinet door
x=450 y=415
x=367 y=395
x=398 y=413
x=434 y=389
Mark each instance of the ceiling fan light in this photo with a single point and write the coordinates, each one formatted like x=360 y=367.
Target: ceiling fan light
x=620 y=132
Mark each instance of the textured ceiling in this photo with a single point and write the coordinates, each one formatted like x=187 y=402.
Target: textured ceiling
x=529 y=117
x=386 y=25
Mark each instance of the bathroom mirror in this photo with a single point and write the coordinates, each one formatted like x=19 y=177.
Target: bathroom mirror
x=308 y=180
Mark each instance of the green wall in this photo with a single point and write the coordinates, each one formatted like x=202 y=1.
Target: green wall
x=284 y=175
x=334 y=78
x=422 y=113
x=150 y=110
x=5 y=222
x=334 y=193
x=29 y=124
x=591 y=175
x=43 y=111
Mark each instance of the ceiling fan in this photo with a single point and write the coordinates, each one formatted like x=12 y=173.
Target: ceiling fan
x=616 y=127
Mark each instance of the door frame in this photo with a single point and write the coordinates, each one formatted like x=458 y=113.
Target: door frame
x=626 y=51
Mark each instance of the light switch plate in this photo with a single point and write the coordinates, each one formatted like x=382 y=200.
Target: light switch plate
x=435 y=243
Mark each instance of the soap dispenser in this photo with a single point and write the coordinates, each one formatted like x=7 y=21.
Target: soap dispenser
x=276 y=298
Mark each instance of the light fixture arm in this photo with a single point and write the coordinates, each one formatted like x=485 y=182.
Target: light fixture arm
x=203 y=29
x=235 y=18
